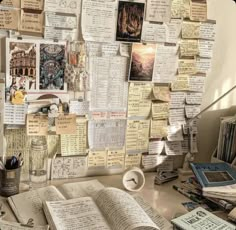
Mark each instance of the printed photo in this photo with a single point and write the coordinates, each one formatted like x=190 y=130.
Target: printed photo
x=52 y=66
x=130 y=21
x=21 y=67
x=142 y=62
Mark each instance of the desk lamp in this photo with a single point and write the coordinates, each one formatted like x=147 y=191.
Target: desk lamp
x=189 y=157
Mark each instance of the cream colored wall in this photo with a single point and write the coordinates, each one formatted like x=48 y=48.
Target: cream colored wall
x=221 y=78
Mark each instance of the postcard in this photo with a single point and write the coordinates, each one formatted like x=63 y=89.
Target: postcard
x=130 y=21
x=142 y=62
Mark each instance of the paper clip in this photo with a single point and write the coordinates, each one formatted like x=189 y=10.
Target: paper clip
x=2 y=213
x=29 y=224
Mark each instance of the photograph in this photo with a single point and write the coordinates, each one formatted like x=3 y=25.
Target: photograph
x=142 y=62
x=52 y=66
x=21 y=67
x=129 y=21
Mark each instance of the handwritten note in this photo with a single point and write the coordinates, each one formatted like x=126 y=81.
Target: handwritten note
x=31 y=22
x=116 y=159
x=66 y=124
x=187 y=66
x=10 y=3
x=160 y=111
x=189 y=48
x=173 y=148
x=180 y=8
x=9 y=19
x=97 y=158
x=181 y=83
x=37 y=125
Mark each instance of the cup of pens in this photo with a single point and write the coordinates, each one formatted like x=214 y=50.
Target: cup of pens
x=10 y=170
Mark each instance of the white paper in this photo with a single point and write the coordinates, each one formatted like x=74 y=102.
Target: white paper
x=175 y=133
x=177 y=100
x=207 y=30
x=203 y=65
x=15 y=114
x=98 y=20
x=60 y=34
x=116 y=159
x=60 y=20
x=106 y=133
x=196 y=83
x=156 y=147
x=149 y=161
x=80 y=108
x=158 y=10
x=132 y=160
x=165 y=163
x=166 y=63
x=192 y=110
x=205 y=48
x=125 y=49
x=68 y=167
x=173 y=148
x=173 y=30
x=193 y=98
x=177 y=116
x=66 y=6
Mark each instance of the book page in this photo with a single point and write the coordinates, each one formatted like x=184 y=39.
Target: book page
x=80 y=213
x=122 y=211
x=159 y=220
x=6 y=225
x=29 y=204
x=80 y=189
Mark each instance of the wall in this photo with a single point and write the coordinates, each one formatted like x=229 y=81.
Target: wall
x=221 y=78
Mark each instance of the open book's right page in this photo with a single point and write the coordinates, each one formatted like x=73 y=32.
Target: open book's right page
x=121 y=210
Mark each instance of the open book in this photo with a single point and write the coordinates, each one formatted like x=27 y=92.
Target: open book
x=85 y=204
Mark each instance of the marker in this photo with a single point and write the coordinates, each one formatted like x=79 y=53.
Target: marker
x=191 y=197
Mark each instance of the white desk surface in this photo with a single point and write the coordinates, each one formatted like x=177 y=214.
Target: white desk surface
x=161 y=197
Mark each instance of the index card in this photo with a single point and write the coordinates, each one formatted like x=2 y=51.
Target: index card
x=68 y=167
x=175 y=133
x=158 y=10
x=158 y=128
x=205 y=48
x=66 y=6
x=166 y=63
x=173 y=30
x=9 y=19
x=11 y=3
x=177 y=100
x=37 y=125
x=192 y=110
x=180 y=8
x=161 y=93
x=160 y=111
x=139 y=103
x=32 y=4
x=198 y=10
x=98 y=20
x=196 y=83
x=14 y=114
x=173 y=148
x=31 y=22
x=181 y=83
x=132 y=160
x=137 y=134
x=177 y=116
x=156 y=147
x=207 y=30
x=149 y=161
x=187 y=66
x=66 y=124
x=75 y=144
x=203 y=65
x=97 y=158
x=165 y=163
x=125 y=49
x=60 y=20
x=60 y=34
x=193 y=98
x=116 y=159
x=189 y=48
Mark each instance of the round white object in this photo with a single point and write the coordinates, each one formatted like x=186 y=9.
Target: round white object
x=133 y=179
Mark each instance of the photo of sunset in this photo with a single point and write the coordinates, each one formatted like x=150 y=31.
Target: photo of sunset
x=142 y=62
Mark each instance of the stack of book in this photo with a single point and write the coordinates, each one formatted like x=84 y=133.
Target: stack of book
x=226 y=149
x=217 y=180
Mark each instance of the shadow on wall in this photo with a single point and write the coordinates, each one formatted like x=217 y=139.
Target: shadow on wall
x=208 y=132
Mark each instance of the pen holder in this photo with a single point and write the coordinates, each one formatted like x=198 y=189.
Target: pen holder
x=9 y=181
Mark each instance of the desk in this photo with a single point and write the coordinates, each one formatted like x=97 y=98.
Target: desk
x=161 y=197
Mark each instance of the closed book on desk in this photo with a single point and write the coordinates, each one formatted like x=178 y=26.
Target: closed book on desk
x=87 y=204
x=216 y=179
x=200 y=218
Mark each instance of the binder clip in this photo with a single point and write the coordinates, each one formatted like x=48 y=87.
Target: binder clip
x=2 y=213
x=29 y=224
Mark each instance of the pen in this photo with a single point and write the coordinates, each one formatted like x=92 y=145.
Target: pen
x=191 y=197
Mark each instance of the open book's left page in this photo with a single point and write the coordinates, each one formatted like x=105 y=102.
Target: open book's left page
x=6 y=225
x=29 y=204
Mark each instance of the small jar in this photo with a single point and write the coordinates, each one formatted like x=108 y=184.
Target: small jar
x=38 y=163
